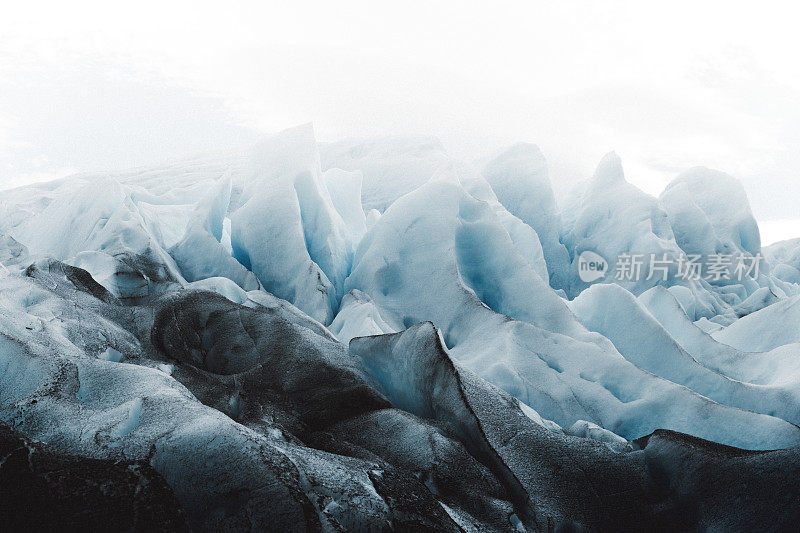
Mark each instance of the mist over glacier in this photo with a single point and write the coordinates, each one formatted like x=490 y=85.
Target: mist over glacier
x=371 y=334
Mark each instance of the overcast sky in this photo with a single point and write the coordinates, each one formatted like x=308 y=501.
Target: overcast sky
x=93 y=86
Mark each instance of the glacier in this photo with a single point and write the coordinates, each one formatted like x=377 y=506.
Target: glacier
x=371 y=334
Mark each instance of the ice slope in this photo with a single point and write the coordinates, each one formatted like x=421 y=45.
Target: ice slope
x=200 y=254
x=345 y=192
x=442 y=233
x=666 y=308
x=709 y=213
x=606 y=489
x=764 y=330
x=391 y=166
x=287 y=230
x=358 y=316
x=615 y=313
x=524 y=237
x=97 y=225
x=55 y=389
x=520 y=180
x=778 y=366
x=13 y=254
x=440 y=255
x=611 y=217
x=784 y=257
x=167 y=223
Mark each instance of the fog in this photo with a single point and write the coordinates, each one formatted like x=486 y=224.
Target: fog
x=91 y=86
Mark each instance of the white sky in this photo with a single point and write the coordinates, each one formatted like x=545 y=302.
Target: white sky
x=92 y=86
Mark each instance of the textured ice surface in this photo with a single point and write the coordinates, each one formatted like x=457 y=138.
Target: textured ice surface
x=709 y=213
x=611 y=217
x=702 y=214
x=778 y=366
x=784 y=257
x=641 y=339
x=766 y=329
x=200 y=253
x=520 y=181
x=439 y=254
x=370 y=334
x=359 y=317
x=391 y=166
x=288 y=231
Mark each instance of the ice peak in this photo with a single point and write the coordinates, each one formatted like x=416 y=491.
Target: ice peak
x=609 y=170
x=523 y=149
x=710 y=212
x=291 y=151
x=703 y=178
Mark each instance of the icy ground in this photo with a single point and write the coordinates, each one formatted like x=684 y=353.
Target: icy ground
x=370 y=335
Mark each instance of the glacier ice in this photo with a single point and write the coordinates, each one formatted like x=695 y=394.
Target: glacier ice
x=369 y=333
x=287 y=204
x=756 y=332
x=784 y=257
x=391 y=166
x=641 y=339
x=440 y=255
x=610 y=217
x=709 y=213
x=777 y=366
x=200 y=253
x=519 y=178
x=358 y=316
